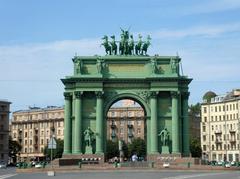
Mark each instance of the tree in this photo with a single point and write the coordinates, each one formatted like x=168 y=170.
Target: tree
x=14 y=149
x=194 y=110
x=195 y=148
x=138 y=147
x=56 y=153
x=112 y=149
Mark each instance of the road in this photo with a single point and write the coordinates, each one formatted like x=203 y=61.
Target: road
x=120 y=174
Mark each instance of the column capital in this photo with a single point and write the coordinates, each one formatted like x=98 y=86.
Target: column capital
x=99 y=94
x=67 y=95
x=174 y=94
x=185 y=94
x=153 y=94
x=78 y=94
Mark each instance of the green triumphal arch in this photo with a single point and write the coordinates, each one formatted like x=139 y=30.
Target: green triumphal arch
x=126 y=71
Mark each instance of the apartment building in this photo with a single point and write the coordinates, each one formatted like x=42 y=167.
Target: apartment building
x=125 y=123
x=33 y=128
x=4 y=130
x=220 y=126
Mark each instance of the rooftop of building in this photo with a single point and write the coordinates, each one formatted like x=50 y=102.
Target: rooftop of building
x=211 y=97
x=4 y=101
x=39 y=109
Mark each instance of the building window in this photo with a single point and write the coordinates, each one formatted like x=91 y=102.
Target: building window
x=25 y=142
x=30 y=142
x=121 y=131
x=215 y=108
x=204 y=137
x=41 y=141
x=204 y=128
x=139 y=123
x=25 y=150
x=25 y=134
x=204 y=147
x=205 y=109
x=121 y=123
x=205 y=119
x=113 y=114
x=59 y=132
x=138 y=131
x=130 y=113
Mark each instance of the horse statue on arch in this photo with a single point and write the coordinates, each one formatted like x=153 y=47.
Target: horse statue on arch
x=145 y=46
x=131 y=45
x=138 y=46
x=106 y=45
x=113 y=45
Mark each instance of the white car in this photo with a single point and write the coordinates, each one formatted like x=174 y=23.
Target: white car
x=227 y=165
x=3 y=165
x=38 y=165
x=166 y=165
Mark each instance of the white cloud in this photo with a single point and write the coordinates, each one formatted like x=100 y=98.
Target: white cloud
x=211 y=6
x=195 y=31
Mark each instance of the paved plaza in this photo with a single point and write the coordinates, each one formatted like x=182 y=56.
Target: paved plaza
x=124 y=174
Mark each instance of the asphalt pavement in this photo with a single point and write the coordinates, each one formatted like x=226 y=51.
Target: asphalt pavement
x=122 y=174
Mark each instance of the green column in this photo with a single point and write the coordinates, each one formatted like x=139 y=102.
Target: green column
x=99 y=123
x=148 y=122
x=186 y=150
x=67 y=123
x=175 y=123
x=154 y=135
x=78 y=123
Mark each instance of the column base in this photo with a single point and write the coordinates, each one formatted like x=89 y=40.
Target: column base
x=77 y=152
x=67 y=152
x=99 y=153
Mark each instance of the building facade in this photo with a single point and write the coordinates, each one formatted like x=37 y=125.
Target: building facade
x=33 y=129
x=220 y=126
x=125 y=123
x=4 y=130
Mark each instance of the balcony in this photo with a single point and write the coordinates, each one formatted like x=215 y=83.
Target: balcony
x=130 y=135
x=232 y=130
x=218 y=141
x=232 y=140
x=218 y=132
x=35 y=145
x=113 y=135
x=130 y=126
x=112 y=126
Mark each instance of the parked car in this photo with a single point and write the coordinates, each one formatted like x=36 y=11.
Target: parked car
x=38 y=165
x=166 y=165
x=227 y=165
x=3 y=165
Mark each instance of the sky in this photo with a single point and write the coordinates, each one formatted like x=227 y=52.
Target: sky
x=39 y=38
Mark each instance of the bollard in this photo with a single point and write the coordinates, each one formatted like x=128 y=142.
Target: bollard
x=152 y=164
x=80 y=164
x=115 y=164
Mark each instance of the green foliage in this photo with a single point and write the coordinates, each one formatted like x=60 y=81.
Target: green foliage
x=195 y=147
x=138 y=147
x=14 y=148
x=112 y=149
x=195 y=110
x=56 y=153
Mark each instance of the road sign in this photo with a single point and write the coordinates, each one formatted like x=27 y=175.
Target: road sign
x=52 y=143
